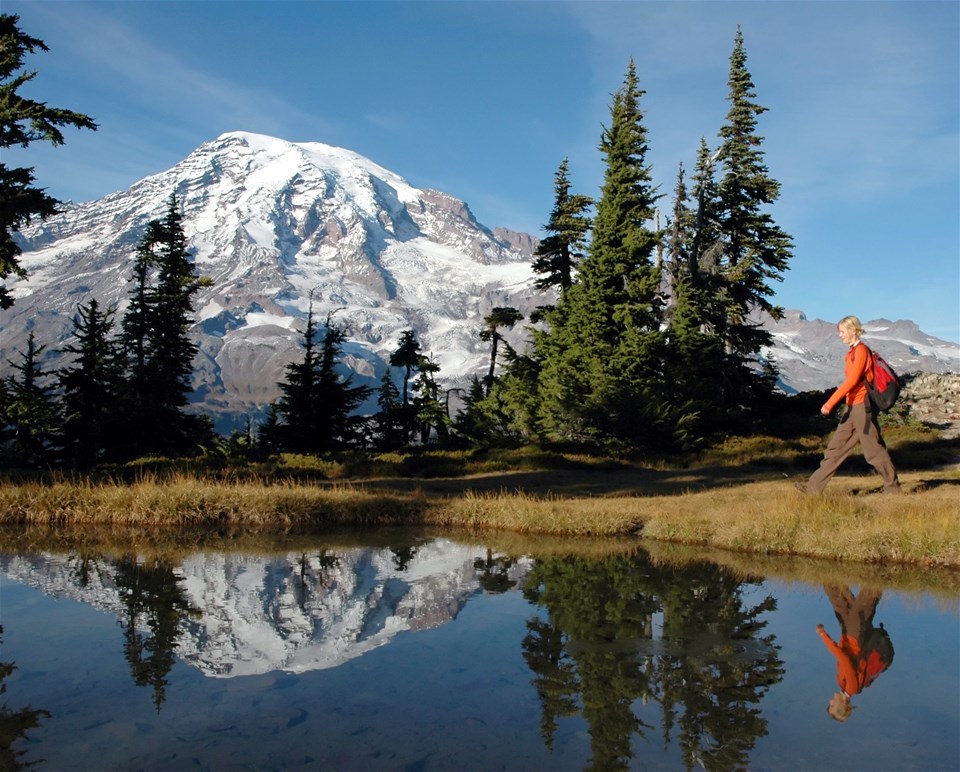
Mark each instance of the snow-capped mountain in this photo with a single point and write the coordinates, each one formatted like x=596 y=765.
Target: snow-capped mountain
x=277 y=224
x=274 y=224
x=252 y=614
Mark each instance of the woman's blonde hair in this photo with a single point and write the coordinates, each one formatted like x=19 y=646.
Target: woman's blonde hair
x=851 y=323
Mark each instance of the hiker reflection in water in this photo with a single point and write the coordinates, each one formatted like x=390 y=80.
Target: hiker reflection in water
x=864 y=651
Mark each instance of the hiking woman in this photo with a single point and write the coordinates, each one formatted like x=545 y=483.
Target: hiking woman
x=859 y=423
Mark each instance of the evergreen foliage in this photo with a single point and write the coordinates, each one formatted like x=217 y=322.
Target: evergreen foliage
x=559 y=253
x=648 y=352
x=22 y=122
x=601 y=373
x=156 y=338
x=756 y=250
x=315 y=411
x=30 y=413
x=390 y=424
x=516 y=395
x=497 y=318
x=92 y=387
x=408 y=356
x=430 y=413
x=487 y=418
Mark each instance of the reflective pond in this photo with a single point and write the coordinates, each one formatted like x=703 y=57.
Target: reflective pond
x=439 y=653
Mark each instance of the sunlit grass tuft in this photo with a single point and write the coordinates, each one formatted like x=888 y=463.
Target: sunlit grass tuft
x=737 y=496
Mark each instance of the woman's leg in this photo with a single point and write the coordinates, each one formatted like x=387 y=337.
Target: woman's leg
x=844 y=440
x=876 y=454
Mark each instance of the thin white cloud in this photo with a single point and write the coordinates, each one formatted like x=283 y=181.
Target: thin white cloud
x=165 y=84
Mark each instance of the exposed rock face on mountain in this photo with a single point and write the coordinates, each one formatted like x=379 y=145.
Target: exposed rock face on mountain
x=809 y=354
x=279 y=225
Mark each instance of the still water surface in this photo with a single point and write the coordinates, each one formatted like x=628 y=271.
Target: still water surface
x=441 y=654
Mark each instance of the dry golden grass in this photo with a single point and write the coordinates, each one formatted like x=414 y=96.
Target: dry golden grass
x=185 y=503
x=767 y=517
x=723 y=501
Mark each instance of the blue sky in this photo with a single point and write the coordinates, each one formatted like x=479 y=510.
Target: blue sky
x=483 y=100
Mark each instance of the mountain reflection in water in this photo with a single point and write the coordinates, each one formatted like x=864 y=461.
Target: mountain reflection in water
x=623 y=655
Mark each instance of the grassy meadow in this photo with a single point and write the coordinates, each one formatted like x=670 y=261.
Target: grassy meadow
x=738 y=496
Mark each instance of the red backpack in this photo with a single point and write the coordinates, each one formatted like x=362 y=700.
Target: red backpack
x=886 y=385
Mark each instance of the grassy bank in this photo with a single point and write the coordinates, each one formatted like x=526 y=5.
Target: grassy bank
x=739 y=496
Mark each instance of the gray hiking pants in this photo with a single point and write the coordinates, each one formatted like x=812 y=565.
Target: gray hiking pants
x=858 y=425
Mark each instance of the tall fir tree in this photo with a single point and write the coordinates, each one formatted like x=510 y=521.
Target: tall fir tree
x=337 y=397
x=408 y=356
x=315 y=411
x=92 y=386
x=430 y=411
x=23 y=121
x=138 y=318
x=171 y=351
x=501 y=316
x=706 y=241
x=756 y=250
x=602 y=356
x=156 y=337
x=516 y=395
x=389 y=424
x=30 y=412
x=561 y=250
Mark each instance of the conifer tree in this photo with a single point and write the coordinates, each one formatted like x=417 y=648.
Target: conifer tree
x=706 y=241
x=337 y=397
x=270 y=432
x=22 y=122
x=471 y=422
x=516 y=394
x=430 y=411
x=602 y=357
x=31 y=414
x=389 y=423
x=497 y=318
x=138 y=317
x=314 y=412
x=757 y=251
x=92 y=386
x=171 y=351
x=561 y=250
x=156 y=336
x=407 y=355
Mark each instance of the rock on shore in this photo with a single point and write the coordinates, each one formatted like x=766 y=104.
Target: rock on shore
x=934 y=399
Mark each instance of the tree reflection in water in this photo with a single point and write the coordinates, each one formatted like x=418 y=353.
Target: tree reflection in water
x=154 y=599
x=597 y=655
x=493 y=572
x=14 y=724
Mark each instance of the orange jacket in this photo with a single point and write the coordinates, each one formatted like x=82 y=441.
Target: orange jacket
x=854 y=670
x=857 y=364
